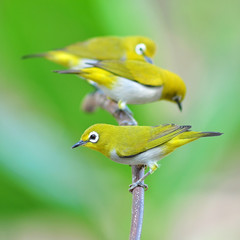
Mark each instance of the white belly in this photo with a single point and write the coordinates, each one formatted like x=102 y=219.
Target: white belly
x=132 y=92
x=150 y=156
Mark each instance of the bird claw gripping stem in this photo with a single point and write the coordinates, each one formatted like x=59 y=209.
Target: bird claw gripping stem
x=122 y=106
x=126 y=110
x=137 y=184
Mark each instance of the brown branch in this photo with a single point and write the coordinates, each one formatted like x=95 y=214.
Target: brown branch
x=137 y=204
x=98 y=99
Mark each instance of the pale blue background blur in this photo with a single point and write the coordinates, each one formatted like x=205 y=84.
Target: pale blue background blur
x=49 y=191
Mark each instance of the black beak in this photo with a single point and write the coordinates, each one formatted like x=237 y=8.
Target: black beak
x=80 y=143
x=148 y=59
x=179 y=104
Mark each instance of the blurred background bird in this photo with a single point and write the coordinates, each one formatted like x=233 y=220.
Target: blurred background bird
x=138 y=145
x=76 y=55
x=134 y=82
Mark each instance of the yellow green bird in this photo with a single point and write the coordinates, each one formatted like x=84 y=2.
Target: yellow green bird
x=134 y=82
x=76 y=55
x=138 y=145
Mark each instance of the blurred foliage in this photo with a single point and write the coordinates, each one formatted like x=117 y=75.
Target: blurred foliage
x=49 y=191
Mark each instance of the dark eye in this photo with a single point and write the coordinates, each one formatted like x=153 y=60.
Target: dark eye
x=93 y=137
x=140 y=48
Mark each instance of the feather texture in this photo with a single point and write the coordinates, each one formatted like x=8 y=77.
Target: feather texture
x=141 y=72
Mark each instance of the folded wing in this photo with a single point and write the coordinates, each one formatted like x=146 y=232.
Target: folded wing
x=141 y=72
x=147 y=138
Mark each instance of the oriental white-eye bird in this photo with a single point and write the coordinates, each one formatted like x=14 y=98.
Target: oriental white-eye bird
x=138 y=145
x=76 y=55
x=134 y=82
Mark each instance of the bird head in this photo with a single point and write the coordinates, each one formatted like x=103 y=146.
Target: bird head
x=98 y=137
x=139 y=48
x=174 y=89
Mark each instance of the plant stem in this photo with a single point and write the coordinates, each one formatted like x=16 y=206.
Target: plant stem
x=98 y=99
x=137 y=204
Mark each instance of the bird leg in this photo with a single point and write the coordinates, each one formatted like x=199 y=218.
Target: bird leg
x=123 y=109
x=122 y=106
x=139 y=183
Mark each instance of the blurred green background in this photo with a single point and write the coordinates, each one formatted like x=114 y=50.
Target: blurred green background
x=49 y=191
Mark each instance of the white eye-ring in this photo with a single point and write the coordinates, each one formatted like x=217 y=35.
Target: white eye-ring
x=140 y=48
x=93 y=137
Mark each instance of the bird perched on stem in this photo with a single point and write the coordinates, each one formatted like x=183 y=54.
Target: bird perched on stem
x=133 y=82
x=138 y=145
x=76 y=55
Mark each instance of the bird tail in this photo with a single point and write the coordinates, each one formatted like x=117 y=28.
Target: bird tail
x=97 y=75
x=193 y=135
x=69 y=71
x=38 y=55
x=58 y=56
x=189 y=136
